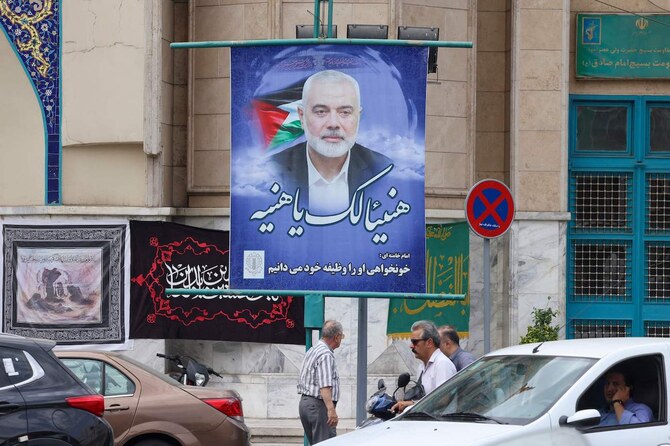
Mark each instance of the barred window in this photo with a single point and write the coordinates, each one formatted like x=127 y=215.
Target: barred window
x=657 y=272
x=657 y=329
x=602 y=201
x=597 y=328
x=601 y=271
x=658 y=203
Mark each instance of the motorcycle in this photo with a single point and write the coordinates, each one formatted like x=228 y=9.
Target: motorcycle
x=190 y=372
x=379 y=404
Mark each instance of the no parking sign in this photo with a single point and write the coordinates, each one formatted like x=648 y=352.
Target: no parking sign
x=489 y=208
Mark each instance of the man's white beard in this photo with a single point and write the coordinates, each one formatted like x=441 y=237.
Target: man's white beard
x=330 y=149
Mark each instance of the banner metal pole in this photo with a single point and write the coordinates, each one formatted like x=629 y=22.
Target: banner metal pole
x=330 y=19
x=317 y=20
x=362 y=360
x=279 y=42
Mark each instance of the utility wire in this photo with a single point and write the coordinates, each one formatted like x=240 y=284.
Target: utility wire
x=659 y=7
x=646 y=17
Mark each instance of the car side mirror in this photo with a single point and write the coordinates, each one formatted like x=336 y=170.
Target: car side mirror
x=403 y=379
x=581 y=419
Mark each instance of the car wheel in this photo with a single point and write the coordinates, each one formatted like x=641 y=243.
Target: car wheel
x=153 y=442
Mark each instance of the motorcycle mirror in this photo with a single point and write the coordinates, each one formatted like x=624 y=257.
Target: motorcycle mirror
x=403 y=379
x=380 y=384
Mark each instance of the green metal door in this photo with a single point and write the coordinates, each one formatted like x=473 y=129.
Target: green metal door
x=618 y=264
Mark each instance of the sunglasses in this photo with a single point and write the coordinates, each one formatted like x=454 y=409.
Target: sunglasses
x=416 y=341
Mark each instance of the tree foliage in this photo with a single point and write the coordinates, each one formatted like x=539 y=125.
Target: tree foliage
x=542 y=329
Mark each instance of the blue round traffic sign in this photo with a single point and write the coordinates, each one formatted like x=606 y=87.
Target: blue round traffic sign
x=489 y=208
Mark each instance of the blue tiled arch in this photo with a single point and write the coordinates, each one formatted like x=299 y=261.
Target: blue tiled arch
x=33 y=29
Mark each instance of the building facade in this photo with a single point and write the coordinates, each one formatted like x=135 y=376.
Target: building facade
x=143 y=133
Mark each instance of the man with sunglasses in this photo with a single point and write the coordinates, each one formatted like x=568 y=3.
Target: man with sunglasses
x=435 y=367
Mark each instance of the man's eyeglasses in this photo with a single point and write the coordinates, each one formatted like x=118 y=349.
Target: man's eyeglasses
x=416 y=341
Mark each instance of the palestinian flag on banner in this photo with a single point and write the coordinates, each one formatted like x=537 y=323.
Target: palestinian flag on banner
x=277 y=113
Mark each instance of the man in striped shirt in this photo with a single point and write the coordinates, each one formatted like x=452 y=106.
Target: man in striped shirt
x=319 y=385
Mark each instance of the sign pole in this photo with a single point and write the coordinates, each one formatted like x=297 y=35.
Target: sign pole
x=489 y=210
x=486 y=295
x=362 y=360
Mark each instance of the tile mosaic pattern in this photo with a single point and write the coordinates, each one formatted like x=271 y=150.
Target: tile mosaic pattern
x=33 y=29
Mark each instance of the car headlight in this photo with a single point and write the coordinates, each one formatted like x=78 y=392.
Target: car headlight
x=199 y=379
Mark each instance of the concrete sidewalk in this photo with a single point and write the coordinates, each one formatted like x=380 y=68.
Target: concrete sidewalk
x=285 y=431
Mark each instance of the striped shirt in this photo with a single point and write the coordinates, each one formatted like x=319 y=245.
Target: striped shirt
x=319 y=370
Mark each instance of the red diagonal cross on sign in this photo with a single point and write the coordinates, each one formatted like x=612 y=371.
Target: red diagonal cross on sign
x=491 y=208
x=479 y=208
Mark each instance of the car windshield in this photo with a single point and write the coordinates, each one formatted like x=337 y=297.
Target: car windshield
x=501 y=389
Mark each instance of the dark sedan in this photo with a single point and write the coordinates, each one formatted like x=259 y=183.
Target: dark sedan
x=42 y=402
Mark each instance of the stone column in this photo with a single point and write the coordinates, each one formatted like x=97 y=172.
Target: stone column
x=538 y=158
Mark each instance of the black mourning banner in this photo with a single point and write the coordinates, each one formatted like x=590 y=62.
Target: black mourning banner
x=169 y=255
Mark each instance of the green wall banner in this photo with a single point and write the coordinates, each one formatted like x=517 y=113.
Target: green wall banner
x=623 y=46
x=447 y=271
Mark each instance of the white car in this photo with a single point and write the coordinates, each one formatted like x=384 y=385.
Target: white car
x=553 y=390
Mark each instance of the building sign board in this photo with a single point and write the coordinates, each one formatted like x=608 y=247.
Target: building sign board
x=623 y=46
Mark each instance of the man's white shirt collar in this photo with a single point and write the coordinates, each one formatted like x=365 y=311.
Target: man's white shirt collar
x=313 y=175
x=328 y=197
x=433 y=356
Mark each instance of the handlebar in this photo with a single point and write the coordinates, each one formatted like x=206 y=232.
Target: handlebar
x=213 y=372
x=178 y=360
x=175 y=358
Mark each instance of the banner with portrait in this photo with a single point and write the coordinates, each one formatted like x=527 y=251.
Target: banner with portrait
x=327 y=167
x=447 y=271
x=66 y=283
x=170 y=255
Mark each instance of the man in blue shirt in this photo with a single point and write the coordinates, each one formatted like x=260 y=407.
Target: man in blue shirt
x=451 y=347
x=621 y=409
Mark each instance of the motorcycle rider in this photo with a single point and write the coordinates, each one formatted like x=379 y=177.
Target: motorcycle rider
x=435 y=367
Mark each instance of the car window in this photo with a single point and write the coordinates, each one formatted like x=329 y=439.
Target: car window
x=646 y=376
x=116 y=383
x=92 y=371
x=88 y=371
x=19 y=366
